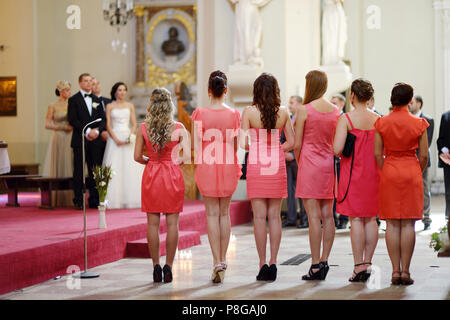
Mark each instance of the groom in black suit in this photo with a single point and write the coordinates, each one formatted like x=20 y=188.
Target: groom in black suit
x=83 y=108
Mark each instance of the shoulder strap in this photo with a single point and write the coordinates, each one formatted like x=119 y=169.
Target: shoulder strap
x=350 y=121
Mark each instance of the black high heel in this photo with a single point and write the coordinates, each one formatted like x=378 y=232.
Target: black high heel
x=157 y=273
x=272 y=273
x=360 y=276
x=263 y=274
x=326 y=268
x=318 y=275
x=167 y=274
x=368 y=273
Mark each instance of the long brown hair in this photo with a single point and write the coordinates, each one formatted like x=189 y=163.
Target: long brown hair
x=316 y=85
x=266 y=97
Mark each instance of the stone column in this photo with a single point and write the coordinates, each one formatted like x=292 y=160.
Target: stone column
x=140 y=46
x=442 y=69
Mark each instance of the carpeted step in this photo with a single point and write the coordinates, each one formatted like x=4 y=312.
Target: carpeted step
x=139 y=248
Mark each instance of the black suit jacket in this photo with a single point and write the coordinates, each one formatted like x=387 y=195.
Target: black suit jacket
x=79 y=116
x=444 y=135
x=105 y=102
x=430 y=131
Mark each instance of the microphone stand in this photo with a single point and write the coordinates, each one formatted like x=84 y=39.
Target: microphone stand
x=85 y=274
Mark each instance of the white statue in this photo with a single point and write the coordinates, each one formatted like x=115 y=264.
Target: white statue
x=334 y=32
x=248 y=32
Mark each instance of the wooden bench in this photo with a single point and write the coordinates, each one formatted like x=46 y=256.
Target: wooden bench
x=49 y=184
x=13 y=183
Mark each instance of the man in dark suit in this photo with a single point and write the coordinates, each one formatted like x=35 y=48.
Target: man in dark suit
x=415 y=107
x=341 y=223
x=84 y=107
x=291 y=171
x=443 y=146
x=96 y=90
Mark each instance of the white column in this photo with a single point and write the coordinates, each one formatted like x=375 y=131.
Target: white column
x=442 y=62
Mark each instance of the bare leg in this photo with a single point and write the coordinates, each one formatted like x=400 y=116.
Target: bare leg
x=408 y=241
x=225 y=227
x=153 y=236
x=393 y=232
x=357 y=236
x=213 y=226
x=172 y=237
x=315 y=230
x=329 y=228
x=274 y=228
x=259 y=207
x=371 y=236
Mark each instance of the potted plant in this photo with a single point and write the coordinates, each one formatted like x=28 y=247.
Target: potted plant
x=440 y=240
x=102 y=176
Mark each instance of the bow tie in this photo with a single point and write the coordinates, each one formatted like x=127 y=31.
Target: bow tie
x=88 y=95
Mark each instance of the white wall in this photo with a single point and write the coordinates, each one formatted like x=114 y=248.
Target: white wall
x=16 y=33
x=401 y=50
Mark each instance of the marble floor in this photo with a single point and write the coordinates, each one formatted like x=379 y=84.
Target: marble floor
x=132 y=278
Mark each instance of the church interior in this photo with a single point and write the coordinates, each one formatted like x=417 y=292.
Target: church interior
x=176 y=44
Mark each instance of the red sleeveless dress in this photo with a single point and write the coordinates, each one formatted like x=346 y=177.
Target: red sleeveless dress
x=162 y=180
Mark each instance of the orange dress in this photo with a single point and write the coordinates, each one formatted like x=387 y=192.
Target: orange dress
x=218 y=171
x=401 y=185
x=162 y=180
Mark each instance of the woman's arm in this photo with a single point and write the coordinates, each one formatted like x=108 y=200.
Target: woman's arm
x=139 y=148
x=108 y=125
x=378 y=149
x=243 y=133
x=133 y=119
x=288 y=132
x=185 y=146
x=423 y=150
x=302 y=114
x=50 y=123
x=340 y=136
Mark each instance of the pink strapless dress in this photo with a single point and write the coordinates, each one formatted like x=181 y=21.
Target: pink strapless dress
x=316 y=164
x=266 y=166
x=162 y=180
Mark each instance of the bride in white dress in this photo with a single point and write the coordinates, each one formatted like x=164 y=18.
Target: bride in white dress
x=124 y=189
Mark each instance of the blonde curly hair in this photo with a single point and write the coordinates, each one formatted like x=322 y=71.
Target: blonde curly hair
x=159 y=118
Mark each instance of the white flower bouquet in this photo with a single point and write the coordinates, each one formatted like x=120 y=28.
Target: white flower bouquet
x=102 y=176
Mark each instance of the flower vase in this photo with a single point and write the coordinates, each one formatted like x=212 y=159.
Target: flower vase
x=101 y=216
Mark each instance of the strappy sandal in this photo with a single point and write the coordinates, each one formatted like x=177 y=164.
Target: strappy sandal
x=218 y=273
x=360 y=276
x=396 y=280
x=368 y=272
x=318 y=275
x=326 y=267
x=406 y=281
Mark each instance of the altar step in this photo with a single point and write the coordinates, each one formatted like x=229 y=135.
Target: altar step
x=139 y=248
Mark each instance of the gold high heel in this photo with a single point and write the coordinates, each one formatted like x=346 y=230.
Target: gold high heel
x=218 y=273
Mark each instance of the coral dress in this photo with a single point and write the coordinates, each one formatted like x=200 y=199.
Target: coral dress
x=162 y=180
x=401 y=184
x=266 y=166
x=362 y=197
x=217 y=171
x=316 y=163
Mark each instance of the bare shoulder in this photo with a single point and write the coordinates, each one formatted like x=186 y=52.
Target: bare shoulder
x=302 y=112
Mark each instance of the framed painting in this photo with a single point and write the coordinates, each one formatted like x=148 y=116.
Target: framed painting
x=8 y=96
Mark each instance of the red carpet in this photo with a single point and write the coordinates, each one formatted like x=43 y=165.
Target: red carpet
x=37 y=245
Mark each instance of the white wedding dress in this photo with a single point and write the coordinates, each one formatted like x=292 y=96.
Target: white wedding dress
x=124 y=189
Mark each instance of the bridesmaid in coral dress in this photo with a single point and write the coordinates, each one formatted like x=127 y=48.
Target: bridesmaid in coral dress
x=398 y=136
x=162 y=180
x=266 y=167
x=314 y=134
x=217 y=171
x=359 y=178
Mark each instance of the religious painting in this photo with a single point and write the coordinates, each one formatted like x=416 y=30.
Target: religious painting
x=8 y=96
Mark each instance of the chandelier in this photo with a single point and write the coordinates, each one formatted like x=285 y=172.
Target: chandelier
x=117 y=12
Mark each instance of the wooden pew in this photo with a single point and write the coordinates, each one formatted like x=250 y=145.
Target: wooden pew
x=15 y=182
x=49 y=184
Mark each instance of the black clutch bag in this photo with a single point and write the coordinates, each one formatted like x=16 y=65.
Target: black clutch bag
x=349 y=145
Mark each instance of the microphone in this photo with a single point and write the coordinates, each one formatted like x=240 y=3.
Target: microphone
x=95 y=121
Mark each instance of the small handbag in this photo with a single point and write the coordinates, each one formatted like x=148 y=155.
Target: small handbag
x=349 y=150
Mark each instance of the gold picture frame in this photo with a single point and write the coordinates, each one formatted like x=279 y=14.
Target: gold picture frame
x=8 y=96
